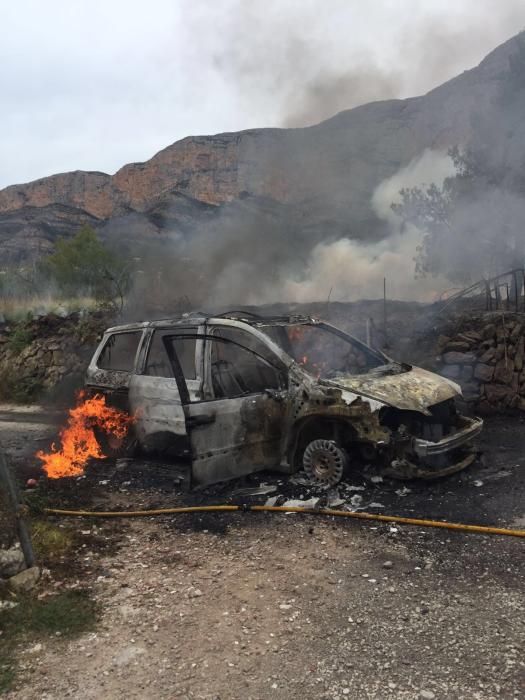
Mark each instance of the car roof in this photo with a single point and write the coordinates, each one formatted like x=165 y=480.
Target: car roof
x=197 y=318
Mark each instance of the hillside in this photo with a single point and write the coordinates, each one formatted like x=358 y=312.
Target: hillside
x=323 y=175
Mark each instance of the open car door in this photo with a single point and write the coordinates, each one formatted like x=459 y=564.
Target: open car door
x=159 y=393
x=235 y=423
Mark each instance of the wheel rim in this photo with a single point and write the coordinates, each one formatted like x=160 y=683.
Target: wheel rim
x=324 y=462
x=114 y=442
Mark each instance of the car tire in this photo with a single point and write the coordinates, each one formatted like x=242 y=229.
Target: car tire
x=324 y=462
x=114 y=447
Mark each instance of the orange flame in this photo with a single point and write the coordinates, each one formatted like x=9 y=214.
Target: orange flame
x=78 y=443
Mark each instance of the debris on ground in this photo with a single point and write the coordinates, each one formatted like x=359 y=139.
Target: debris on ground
x=11 y=562
x=190 y=605
x=24 y=581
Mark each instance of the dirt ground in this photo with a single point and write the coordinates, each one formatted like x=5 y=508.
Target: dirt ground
x=260 y=606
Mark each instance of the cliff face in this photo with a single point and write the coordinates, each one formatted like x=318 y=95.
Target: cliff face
x=330 y=170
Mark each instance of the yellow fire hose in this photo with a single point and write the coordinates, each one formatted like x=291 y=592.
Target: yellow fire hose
x=480 y=529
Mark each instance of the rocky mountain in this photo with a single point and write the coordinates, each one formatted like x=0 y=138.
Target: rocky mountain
x=323 y=175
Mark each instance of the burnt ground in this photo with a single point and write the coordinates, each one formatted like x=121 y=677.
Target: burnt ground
x=287 y=606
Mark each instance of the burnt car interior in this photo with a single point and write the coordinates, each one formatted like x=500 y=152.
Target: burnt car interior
x=322 y=351
x=118 y=354
x=239 y=363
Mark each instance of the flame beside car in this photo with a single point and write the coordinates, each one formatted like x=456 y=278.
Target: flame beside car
x=78 y=442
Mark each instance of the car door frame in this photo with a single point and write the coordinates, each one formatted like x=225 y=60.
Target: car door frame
x=113 y=383
x=161 y=417
x=235 y=422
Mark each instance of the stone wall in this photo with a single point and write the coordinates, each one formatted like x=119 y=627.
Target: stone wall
x=485 y=355
x=44 y=354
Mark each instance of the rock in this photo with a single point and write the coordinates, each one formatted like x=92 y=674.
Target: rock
x=471 y=391
x=451 y=371
x=471 y=336
x=125 y=656
x=62 y=311
x=11 y=562
x=489 y=331
x=467 y=372
x=488 y=355
x=504 y=371
x=458 y=345
x=483 y=372
x=496 y=393
x=442 y=342
x=500 y=351
x=194 y=593
x=387 y=565
x=502 y=333
x=519 y=355
x=513 y=401
x=25 y=580
x=427 y=695
x=517 y=331
x=459 y=358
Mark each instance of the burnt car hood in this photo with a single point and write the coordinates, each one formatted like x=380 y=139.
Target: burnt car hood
x=411 y=389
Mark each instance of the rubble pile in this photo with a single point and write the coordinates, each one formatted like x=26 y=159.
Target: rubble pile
x=45 y=351
x=485 y=355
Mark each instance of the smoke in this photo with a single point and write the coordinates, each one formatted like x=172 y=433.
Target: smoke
x=430 y=167
x=311 y=63
x=354 y=270
x=256 y=251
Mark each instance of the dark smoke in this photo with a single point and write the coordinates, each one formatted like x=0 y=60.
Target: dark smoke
x=305 y=58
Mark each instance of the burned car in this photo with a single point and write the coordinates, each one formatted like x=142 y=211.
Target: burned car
x=232 y=394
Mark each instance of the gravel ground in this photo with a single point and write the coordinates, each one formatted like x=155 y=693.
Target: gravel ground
x=262 y=606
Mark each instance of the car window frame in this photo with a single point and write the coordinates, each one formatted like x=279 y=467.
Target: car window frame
x=190 y=390
x=209 y=336
x=107 y=337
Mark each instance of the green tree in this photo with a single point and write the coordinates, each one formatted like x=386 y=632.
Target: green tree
x=83 y=265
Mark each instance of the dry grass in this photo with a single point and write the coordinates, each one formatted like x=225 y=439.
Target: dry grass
x=19 y=309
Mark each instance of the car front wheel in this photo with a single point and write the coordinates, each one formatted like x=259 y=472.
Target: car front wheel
x=324 y=462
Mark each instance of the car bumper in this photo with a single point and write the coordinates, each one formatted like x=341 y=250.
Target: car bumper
x=471 y=427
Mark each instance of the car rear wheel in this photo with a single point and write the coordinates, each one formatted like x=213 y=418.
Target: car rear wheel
x=113 y=446
x=324 y=462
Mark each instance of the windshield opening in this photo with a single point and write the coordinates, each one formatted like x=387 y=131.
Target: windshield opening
x=321 y=351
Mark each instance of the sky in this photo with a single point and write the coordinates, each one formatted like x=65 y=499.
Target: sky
x=95 y=84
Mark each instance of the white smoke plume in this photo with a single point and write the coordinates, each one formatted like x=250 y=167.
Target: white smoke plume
x=350 y=270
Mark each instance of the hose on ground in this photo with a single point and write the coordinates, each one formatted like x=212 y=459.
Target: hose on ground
x=462 y=527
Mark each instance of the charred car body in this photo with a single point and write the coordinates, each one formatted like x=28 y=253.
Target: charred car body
x=233 y=394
